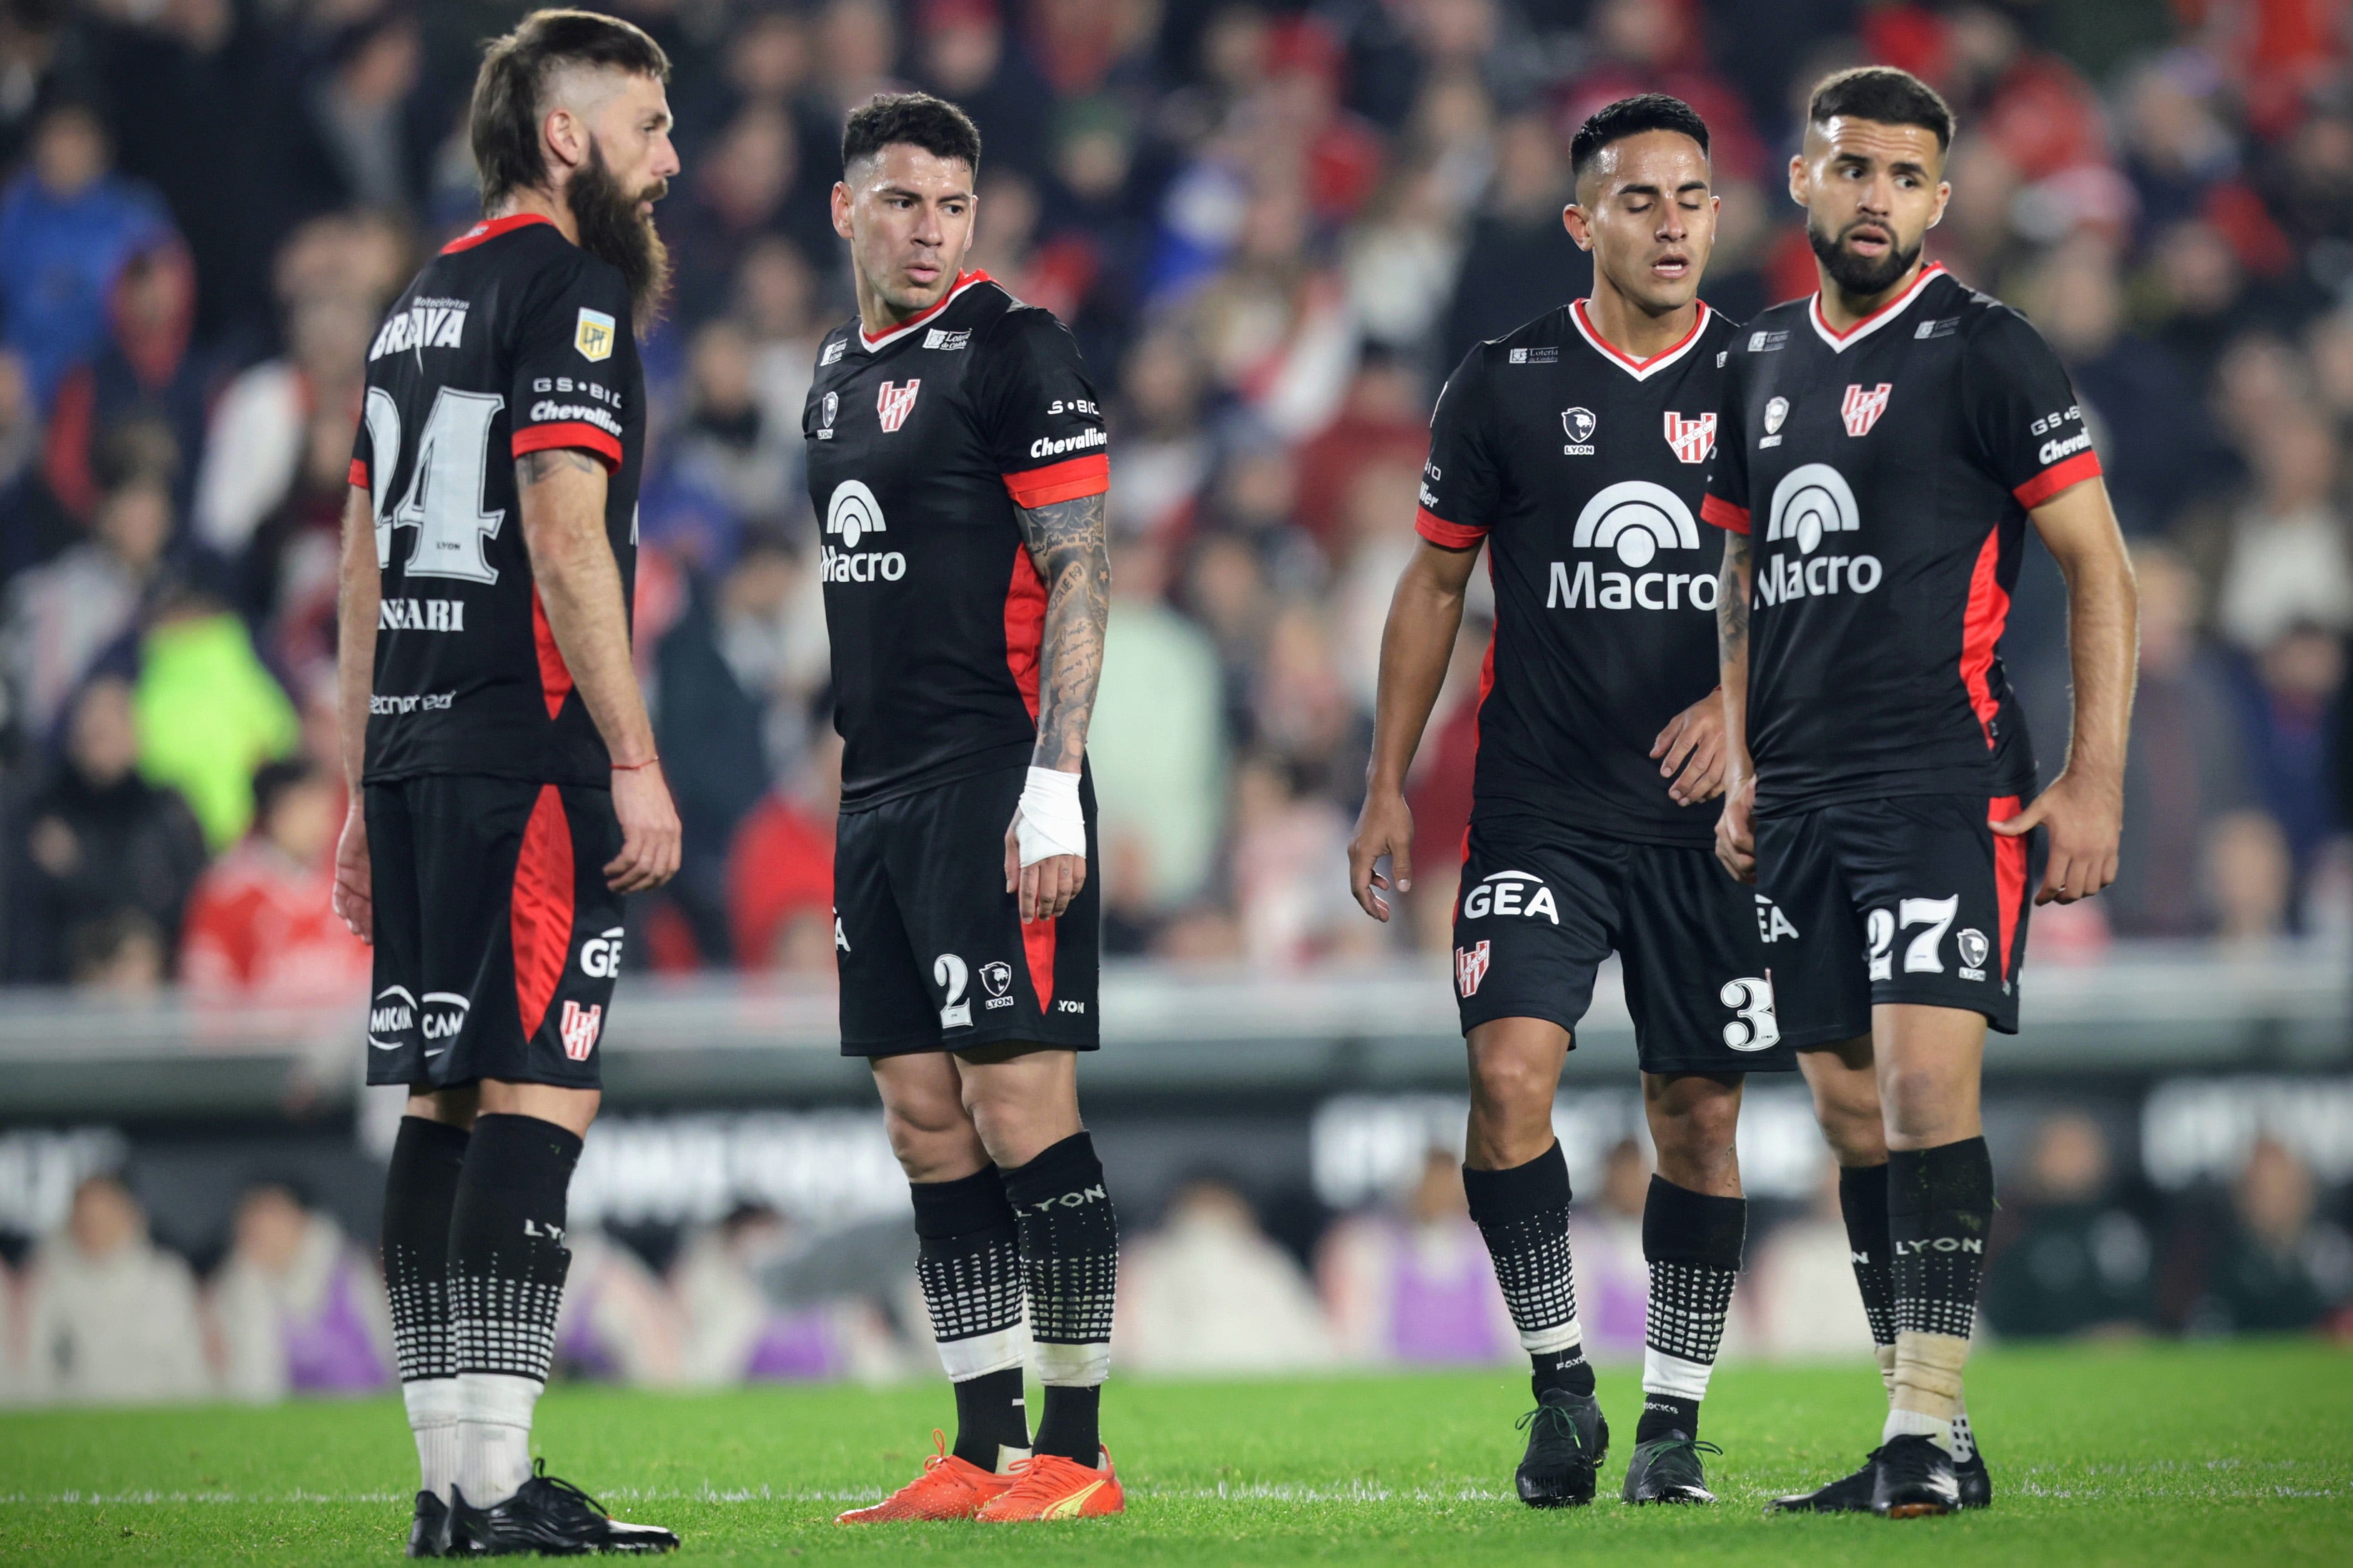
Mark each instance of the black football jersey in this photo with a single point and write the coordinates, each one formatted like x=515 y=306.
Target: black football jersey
x=1583 y=471
x=922 y=444
x=1884 y=476
x=513 y=340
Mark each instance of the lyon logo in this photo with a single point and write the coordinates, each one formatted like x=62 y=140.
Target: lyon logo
x=1861 y=406
x=1692 y=439
x=894 y=402
x=1579 y=423
x=579 y=1029
x=1469 y=968
x=997 y=977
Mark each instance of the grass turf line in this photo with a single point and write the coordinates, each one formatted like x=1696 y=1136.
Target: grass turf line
x=2131 y=1454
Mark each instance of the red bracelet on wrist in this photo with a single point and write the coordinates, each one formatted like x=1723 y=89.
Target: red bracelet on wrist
x=633 y=767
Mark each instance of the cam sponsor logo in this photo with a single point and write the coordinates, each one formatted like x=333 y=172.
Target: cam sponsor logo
x=394 y=1012
x=443 y=1019
x=594 y=335
x=1049 y=446
x=893 y=402
x=1579 y=425
x=426 y=324
x=600 y=955
x=578 y=1028
x=1812 y=504
x=1692 y=438
x=1863 y=405
x=1634 y=520
x=1470 y=967
x=1521 y=893
x=421 y=616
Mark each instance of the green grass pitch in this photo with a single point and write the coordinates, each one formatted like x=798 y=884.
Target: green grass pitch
x=2130 y=1454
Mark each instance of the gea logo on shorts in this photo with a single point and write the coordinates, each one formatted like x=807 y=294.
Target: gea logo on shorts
x=1507 y=893
x=850 y=516
x=1811 y=505
x=600 y=955
x=1634 y=520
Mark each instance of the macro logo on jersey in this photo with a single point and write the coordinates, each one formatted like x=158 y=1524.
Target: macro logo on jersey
x=1812 y=503
x=426 y=324
x=893 y=402
x=852 y=516
x=1469 y=968
x=1863 y=405
x=1634 y=518
x=1693 y=439
x=1521 y=893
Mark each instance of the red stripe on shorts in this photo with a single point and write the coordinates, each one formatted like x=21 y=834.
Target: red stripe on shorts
x=540 y=913
x=2008 y=875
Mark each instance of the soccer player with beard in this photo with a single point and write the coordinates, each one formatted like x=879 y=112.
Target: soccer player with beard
x=956 y=452
x=1882 y=447
x=505 y=793
x=1574 y=450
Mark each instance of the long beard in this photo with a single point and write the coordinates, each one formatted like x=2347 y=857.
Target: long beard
x=1858 y=275
x=611 y=230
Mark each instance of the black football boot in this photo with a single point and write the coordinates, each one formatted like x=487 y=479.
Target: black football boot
x=1568 y=1440
x=1667 y=1469
x=550 y=1517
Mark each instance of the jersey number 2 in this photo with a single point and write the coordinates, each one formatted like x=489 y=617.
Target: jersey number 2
x=444 y=503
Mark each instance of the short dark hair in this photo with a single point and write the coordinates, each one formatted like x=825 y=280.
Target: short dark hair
x=273 y=781
x=510 y=90
x=1883 y=93
x=934 y=125
x=1631 y=117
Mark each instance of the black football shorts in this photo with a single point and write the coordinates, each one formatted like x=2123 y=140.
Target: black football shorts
x=497 y=940
x=1912 y=899
x=933 y=953
x=1542 y=905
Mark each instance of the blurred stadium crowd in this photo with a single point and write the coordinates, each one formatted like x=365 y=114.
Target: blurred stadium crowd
x=1274 y=229
x=294 y=1306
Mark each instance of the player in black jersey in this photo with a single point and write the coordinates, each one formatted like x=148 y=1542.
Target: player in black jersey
x=1575 y=449
x=956 y=454
x=505 y=793
x=1882 y=447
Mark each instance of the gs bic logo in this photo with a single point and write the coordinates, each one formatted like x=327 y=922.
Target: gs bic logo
x=1812 y=505
x=1632 y=520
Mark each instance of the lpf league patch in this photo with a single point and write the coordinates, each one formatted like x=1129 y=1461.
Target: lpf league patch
x=594 y=336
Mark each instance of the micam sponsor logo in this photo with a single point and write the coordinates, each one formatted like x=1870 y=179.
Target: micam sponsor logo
x=1812 y=503
x=394 y=1012
x=421 y=616
x=426 y=324
x=2081 y=441
x=1047 y=447
x=428 y=701
x=1634 y=520
x=545 y=412
x=1521 y=893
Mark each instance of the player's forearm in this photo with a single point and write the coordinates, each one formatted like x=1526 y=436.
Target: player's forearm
x=358 y=593
x=1070 y=542
x=1731 y=646
x=2103 y=649
x=579 y=586
x=1416 y=644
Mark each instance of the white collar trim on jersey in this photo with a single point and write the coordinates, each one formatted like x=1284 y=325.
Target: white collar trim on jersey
x=1840 y=341
x=963 y=282
x=1640 y=369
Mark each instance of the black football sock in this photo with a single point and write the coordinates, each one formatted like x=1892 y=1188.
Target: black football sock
x=1862 y=1203
x=1070 y=1260
x=1693 y=1243
x=507 y=1263
x=1523 y=1213
x=1939 y=1210
x=968 y=1257
x=420 y=1188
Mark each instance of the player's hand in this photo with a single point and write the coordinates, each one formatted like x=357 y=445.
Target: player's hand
x=353 y=899
x=649 y=831
x=2086 y=817
x=1043 y=890
x=1736 y=830
x=1693 y=744
x=1385 y=827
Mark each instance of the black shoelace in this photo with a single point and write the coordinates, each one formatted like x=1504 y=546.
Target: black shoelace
x=565 y=1488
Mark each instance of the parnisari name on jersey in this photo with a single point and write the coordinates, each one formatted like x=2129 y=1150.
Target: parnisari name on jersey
x=1582 y=470
x=925 y=443
x=511 y=340
x=1893 y=464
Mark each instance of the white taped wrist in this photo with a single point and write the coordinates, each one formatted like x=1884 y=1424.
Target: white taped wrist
x=1051 y=822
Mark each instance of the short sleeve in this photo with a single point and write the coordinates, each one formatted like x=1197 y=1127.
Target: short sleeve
x=573 y=352
x=1726 y=502
x=362 y=455
x=1459 y=483
x=1041 y=418
x=2021 y=411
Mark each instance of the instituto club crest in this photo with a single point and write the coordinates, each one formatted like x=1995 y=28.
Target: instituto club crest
x=579 y=1029
x=1692 y=439
x=894 y=402
x=1469 y=968
x=1861 y=408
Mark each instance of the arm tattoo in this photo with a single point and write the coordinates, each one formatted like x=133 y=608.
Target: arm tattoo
x=533 y=466
x=1731 y=601
x=1068 y=543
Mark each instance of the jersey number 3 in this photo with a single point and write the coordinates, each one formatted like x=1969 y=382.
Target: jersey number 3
x=444 y=503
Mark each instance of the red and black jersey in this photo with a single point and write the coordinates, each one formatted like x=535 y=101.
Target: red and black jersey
x=922 y=444
x=1884 y=475
x=1583 y=471
x=513 y=340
